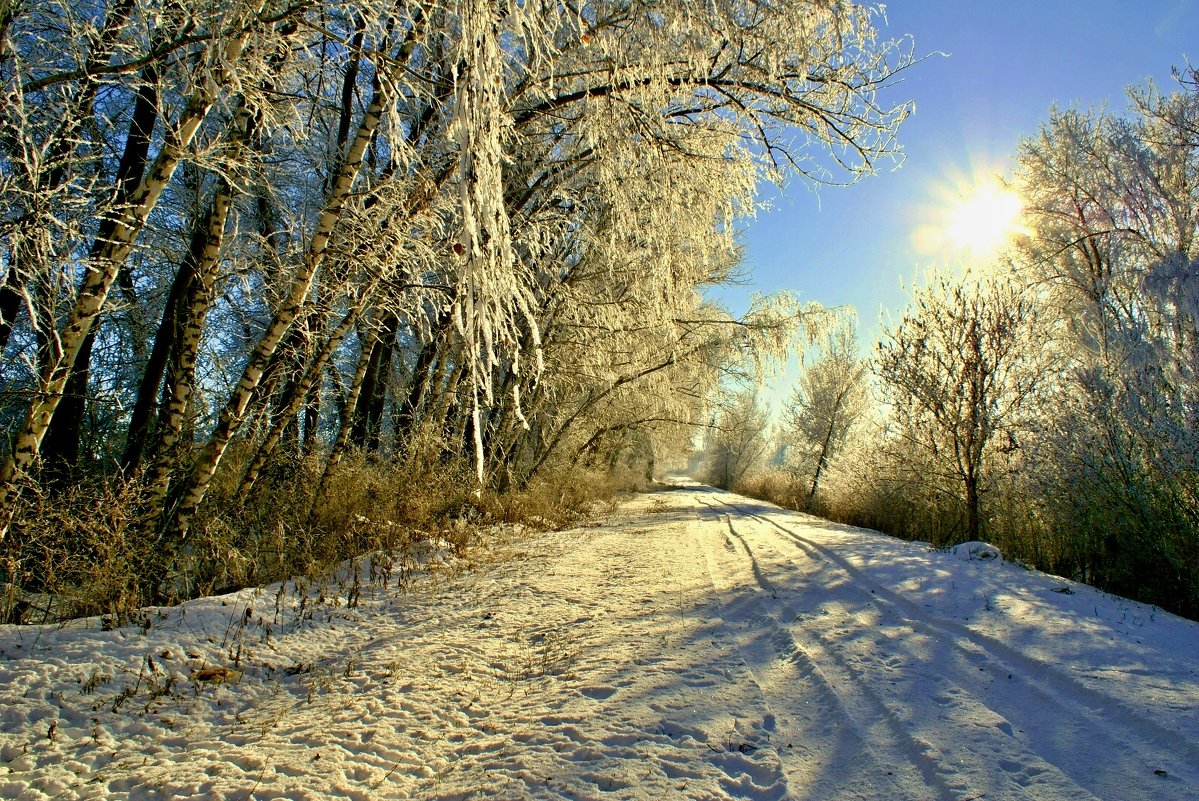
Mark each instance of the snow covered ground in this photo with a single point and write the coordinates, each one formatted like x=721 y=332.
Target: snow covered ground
x=690 y=644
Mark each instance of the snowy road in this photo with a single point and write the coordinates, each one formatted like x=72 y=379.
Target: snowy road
x=691 y=644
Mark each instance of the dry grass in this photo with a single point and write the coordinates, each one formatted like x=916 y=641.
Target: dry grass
x=86 y=551
x=75 y=553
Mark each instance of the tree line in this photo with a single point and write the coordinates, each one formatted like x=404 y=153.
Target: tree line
x=1048 y=402
x=248 y=243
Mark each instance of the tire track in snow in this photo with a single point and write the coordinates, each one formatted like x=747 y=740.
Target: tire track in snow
x=1020 y=770
x=875 y=731
x=1140 y=745
x=1000 y=651
x=925 y=749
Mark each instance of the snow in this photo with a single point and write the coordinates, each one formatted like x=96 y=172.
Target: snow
x=689 y=643
x=974 y=549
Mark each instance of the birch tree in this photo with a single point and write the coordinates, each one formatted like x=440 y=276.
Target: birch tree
x=492 y=222
x=226 y=37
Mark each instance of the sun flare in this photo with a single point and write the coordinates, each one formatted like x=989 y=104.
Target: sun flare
x=983 y=219
x=969 y=218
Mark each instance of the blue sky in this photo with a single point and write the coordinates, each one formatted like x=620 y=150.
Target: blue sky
x=1006 y=63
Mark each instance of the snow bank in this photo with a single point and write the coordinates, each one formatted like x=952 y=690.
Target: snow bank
x=976 y=550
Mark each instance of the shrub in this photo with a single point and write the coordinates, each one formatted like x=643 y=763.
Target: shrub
x=75 y=553
x=67 y=560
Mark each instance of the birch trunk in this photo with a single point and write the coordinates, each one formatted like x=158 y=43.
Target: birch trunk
x=60 y=446
x=187 y=330
x=825 y=445
x=98 y=280
x=418 y=388
x=179 y=309
x=343 y=434
x=234 y=413
x=311 y=377
x=369 y=414
x=438 y=418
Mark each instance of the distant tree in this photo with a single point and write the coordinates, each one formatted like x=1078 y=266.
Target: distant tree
x=831 y=395
x=738 y=439
x=958 y=373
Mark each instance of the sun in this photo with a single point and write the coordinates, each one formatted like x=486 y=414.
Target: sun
x=983 y=219
x=968 y=218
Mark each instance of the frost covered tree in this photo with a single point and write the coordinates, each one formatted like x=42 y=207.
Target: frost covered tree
x=737 y=440
x=1113 y=209
x=960 y=375
x=60 y=80
x=831 y=395
x=268 y=233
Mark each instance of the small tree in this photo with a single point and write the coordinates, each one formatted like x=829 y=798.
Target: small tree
x=829 y=398
x=738 y=441
x=958 y=373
